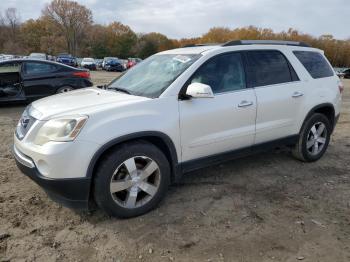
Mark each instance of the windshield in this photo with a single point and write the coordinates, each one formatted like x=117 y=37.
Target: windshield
x=154 y=75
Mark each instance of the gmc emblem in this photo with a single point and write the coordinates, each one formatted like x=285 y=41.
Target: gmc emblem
x=25 y=121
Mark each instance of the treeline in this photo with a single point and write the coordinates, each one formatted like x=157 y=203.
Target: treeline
x=66 y=26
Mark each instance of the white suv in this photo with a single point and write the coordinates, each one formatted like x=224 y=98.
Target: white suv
x=179 y=110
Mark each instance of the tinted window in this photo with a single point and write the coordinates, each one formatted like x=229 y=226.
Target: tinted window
x=223 y=73
x=268 y=68
x=314 y=63
x=39 y=68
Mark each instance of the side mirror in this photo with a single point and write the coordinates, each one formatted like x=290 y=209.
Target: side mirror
x=199 y=90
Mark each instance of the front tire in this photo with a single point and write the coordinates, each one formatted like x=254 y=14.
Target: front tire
x=131 y=180
x=313 y=138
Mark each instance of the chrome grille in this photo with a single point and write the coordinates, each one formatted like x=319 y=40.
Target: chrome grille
x=24 y=124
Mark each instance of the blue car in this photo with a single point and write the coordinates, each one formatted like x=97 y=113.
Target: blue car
x=67 y=59
x=114 y=65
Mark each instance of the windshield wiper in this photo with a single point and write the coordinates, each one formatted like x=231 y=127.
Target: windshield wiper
x=120 y=90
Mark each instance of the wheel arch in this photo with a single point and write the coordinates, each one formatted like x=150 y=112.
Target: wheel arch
x=64 y=85
x=326 y=109
x=159 y=139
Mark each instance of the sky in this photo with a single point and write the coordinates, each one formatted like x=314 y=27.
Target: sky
x=191 y=18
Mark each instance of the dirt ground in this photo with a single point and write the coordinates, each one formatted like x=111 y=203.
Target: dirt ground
x=267 y=207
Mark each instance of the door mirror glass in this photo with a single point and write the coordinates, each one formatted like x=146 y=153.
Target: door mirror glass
x=199 y=90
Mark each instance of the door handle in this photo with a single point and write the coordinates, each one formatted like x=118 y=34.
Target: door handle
x=297 y=94
x=245 y=103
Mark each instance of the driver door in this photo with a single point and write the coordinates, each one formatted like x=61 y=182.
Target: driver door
x=224 y=123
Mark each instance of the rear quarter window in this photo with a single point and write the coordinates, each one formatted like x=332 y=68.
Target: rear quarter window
x=315 y=63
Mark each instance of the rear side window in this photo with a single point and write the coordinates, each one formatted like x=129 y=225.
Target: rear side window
x=268 y=68
x=315 y=63
x=39 y=68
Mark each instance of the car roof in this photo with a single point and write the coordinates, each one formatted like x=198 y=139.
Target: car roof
x=37 y=60
x=278 y=45
x=191 y=50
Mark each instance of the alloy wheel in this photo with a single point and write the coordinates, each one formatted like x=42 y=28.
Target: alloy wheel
x=316 y=138
x=135 y=182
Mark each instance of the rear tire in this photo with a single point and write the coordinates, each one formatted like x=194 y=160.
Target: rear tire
x=131 y=180
x=313 y=138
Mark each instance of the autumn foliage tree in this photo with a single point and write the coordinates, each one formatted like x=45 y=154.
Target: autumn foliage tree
x=151 y=43
x=66 y=26
x=121 y=39
x=71 y=19
x=9 y=30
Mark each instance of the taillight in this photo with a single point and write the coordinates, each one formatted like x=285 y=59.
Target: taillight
x=341 y=87
x=82 y=74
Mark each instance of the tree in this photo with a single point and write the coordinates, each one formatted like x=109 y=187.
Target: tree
x=66 y=25
x=96 y=42
x=71 y=18
x=12 y=19
x=217 y=35
x=121 y=39
x=32 y=31
x=152 y=43
x=9 y=31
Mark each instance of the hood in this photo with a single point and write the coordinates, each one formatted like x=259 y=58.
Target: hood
x=83 y=101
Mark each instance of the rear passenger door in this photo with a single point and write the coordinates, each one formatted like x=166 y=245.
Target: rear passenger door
x=279 y=93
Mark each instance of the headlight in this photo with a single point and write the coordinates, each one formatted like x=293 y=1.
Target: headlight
x=61 y=129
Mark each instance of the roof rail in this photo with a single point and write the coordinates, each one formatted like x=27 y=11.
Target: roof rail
x=265 y=42
x=195 y=45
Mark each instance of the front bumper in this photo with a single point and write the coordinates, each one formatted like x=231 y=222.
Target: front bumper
x=115 y=68
x=70 y=192
x=91 y=67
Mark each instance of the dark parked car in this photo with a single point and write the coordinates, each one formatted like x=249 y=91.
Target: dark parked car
x=67 y=59
x=99 y=63
x=104 y=61
x=346 y=74
x=27 y=80
x=114 y=65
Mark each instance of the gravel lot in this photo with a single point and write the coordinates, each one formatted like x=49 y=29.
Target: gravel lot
x=267 y=207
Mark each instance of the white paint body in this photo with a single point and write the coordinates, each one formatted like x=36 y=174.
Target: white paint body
x=198 y=127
